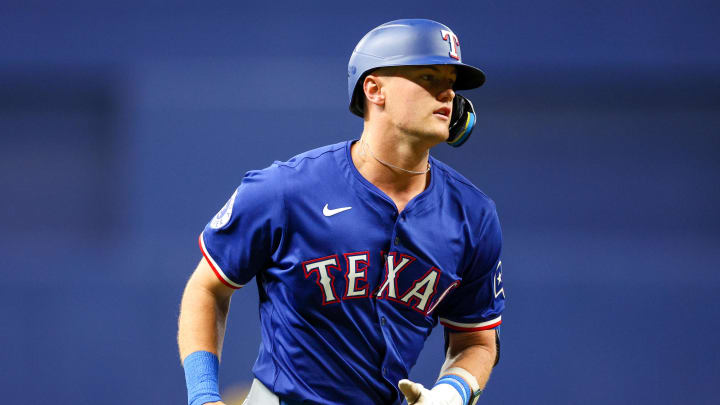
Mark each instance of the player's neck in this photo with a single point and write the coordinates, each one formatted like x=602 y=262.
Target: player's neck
x=374 y=156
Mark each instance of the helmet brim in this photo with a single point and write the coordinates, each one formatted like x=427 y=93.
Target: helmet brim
x=468 y=77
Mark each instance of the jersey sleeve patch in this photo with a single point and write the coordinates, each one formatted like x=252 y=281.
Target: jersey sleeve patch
x=225 y=213
x=497 y=281
x=215 y=267
x=471 y=327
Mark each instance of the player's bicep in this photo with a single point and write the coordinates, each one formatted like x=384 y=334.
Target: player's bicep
x=459 y=341
x=204 y=277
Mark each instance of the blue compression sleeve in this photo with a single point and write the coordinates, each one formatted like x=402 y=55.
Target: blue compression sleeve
x=201 y=377
x=459 y=384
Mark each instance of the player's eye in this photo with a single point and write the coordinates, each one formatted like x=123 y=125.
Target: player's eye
x=428 y=78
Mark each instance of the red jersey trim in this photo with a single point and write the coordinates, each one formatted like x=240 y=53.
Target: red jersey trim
x=471 y=327
x=214 y=266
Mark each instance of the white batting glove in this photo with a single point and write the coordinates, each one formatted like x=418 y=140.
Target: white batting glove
x=441 y=394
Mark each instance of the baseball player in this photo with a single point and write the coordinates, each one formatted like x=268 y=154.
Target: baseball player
x=360 y=248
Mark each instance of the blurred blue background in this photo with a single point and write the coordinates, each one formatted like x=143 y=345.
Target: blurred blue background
x=124 y=127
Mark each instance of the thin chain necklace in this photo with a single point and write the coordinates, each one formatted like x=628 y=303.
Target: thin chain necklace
x=367 y=149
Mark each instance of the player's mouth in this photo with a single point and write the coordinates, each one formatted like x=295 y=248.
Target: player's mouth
x=442 y=113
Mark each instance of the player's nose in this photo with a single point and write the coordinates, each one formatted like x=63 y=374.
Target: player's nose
x=446 y=95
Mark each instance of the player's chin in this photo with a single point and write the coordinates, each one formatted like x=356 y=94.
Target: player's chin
x=440 y=133
x=441 y=124
x=435 y=137
x=432 y=132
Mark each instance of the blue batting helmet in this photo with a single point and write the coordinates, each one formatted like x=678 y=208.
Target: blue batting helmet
x=407 y=42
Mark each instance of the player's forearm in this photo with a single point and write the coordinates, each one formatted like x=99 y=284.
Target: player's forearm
x=203 y=317
x=477 y=359
x=468 y=362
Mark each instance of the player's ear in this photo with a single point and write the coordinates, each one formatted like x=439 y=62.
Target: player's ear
x=372 y=87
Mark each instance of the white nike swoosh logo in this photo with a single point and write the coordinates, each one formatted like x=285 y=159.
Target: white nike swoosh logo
x=328 y=212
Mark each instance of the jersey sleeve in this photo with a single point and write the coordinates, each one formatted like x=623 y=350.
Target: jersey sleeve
x=239 y=241
x=477 y=303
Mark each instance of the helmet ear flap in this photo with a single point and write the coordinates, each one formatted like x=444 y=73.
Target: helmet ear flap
x=357 y=102
x=462 y=121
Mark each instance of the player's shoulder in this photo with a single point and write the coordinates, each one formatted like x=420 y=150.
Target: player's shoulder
x=280 y=171
x=459 y=187
x=315 y=157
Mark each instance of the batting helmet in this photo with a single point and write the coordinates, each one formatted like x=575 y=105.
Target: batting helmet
x=411 y=42
x=407 y=42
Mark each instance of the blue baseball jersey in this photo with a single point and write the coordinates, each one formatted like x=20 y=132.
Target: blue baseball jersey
x=349 y=288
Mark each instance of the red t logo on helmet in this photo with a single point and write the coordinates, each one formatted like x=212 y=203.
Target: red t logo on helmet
x=454 y=43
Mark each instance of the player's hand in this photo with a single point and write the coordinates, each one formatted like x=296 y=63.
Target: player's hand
x=413 y=392
x=416 y=394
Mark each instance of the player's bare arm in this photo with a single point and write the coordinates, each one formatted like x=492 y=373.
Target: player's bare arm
x=203 y=314
x=474 y=352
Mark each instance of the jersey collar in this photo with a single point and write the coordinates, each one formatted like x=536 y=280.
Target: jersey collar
x=417 y=204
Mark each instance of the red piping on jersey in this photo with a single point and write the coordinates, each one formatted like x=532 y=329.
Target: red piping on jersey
x=486 y=327
x=209 y=262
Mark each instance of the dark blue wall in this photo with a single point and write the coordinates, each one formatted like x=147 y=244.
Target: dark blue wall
x=123 y=128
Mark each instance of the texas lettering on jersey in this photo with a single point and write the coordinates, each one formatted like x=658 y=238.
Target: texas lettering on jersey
x=325 y=269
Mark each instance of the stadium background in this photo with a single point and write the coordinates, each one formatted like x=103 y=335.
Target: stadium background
x=124 y=126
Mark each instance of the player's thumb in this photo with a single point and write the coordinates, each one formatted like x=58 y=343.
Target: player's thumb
x=410 y=389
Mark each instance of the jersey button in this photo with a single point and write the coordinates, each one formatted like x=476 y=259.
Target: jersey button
x=383 y=321
x=397 y=240
x=384 y=371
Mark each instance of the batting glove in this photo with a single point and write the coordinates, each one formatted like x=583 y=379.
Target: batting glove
x=441 y=394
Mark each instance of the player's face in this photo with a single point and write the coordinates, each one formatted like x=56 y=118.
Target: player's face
x=418 y=100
